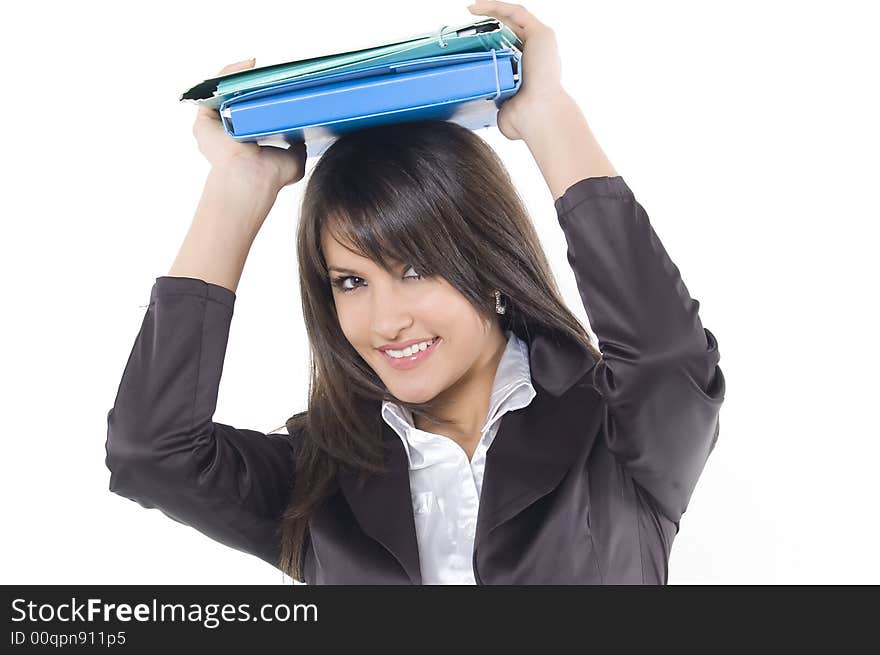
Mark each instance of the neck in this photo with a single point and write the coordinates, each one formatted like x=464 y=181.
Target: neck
x=466 y=403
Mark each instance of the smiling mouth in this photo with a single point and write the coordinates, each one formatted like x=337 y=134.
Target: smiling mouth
x=409 y=361
x=416 y=352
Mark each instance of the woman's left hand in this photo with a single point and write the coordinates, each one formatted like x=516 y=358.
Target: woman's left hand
x=541 y=66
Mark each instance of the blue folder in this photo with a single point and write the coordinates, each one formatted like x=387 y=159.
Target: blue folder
x=466 y=88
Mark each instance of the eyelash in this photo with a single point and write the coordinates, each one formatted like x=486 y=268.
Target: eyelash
x=339 y=281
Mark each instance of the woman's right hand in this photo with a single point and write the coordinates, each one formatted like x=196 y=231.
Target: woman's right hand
x=282 y=166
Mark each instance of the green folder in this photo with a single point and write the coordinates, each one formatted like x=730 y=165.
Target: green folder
x=482 y=36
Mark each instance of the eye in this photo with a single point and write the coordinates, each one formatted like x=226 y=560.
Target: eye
x=340 y=282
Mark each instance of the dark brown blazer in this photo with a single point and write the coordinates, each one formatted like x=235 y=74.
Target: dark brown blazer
x=579 y=487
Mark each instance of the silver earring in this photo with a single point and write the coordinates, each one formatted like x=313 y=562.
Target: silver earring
x=499 y=307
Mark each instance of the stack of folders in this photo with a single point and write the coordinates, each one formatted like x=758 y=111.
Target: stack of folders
x=461 y=74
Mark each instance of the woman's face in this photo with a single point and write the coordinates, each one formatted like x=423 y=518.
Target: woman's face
x=376 y=308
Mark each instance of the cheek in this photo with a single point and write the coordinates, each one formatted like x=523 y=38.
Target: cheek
x=440 y=302
x=464 y=346
x=353 y=324
x=453 y=318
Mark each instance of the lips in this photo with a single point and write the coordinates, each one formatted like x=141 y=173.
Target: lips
x=404 y=344
x=405 y=363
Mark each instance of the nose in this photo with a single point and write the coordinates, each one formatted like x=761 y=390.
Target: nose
x=390 y=314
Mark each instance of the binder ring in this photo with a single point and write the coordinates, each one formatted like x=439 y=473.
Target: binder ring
x=440 y=40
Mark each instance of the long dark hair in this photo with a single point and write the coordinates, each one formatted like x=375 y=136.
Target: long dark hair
x=432 y=194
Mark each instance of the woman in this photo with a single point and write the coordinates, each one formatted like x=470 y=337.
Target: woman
x=414 y=234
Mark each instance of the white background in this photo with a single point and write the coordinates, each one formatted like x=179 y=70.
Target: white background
x=748 y=131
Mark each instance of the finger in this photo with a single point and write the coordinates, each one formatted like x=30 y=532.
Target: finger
x=238 y=66
x=206 y=113
x=515 y=16
x=481 y=9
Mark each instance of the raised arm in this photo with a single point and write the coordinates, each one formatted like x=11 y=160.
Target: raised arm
x=542 y=113
x=239 y=193
x=659 y=371
x=163 y=448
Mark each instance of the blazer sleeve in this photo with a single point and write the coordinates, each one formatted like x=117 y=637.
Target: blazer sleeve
x=163 y=449
x=659 y=369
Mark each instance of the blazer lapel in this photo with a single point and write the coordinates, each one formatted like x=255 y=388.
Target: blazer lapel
x=383 y=505
x=531 y=452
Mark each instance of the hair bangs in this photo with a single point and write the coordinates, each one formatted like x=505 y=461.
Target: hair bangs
x=390 y=226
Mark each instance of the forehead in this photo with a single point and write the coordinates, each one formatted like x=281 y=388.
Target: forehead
x=376 y=236
x=339 y=251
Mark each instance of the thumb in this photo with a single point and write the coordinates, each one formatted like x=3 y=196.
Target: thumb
x=238 y=66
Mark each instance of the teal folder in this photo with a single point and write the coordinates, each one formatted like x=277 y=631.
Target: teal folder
x=481 y=36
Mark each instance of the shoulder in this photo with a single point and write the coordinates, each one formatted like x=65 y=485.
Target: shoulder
x=294 y=429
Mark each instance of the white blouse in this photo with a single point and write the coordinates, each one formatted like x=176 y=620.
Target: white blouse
x=445 y=485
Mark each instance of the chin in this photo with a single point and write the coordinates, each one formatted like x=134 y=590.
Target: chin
x=414 y=396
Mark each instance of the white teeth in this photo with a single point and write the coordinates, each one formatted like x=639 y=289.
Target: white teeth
x=410 y=350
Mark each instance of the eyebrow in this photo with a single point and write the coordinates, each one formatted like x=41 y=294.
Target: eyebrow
x=345 y=270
